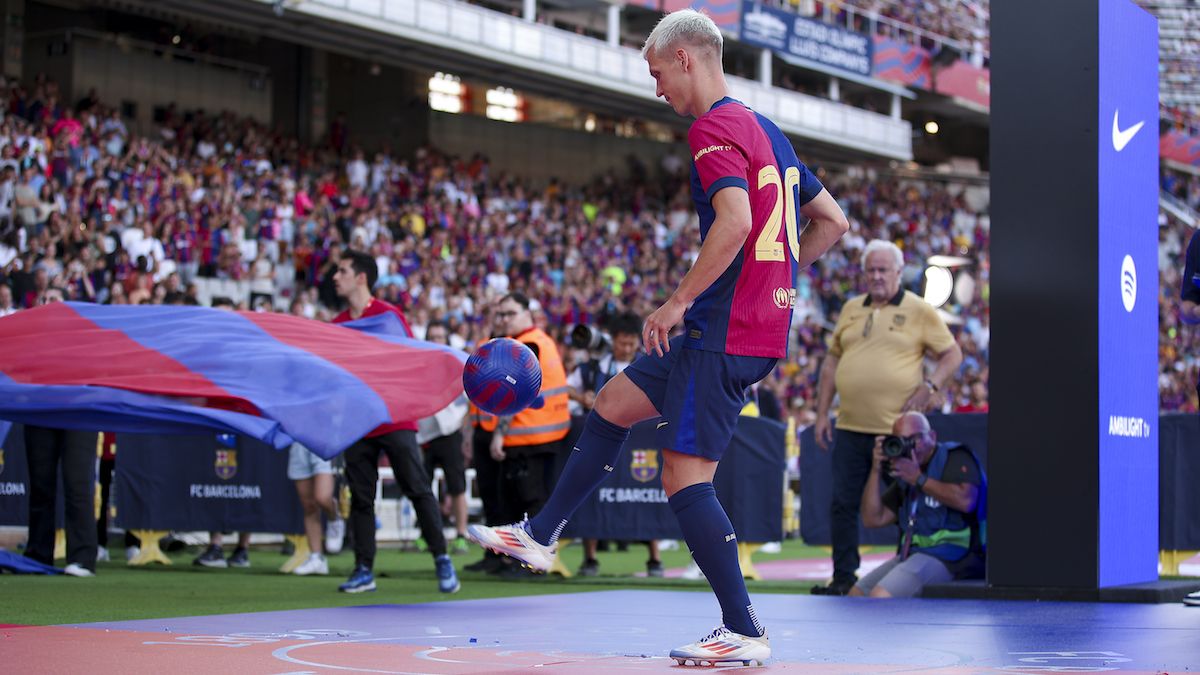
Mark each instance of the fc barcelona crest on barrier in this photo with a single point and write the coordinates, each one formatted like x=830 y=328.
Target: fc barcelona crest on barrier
x=226 y=464
x=643 y=465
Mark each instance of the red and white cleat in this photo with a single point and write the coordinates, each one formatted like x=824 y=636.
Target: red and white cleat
x=515 y=542
x=724 y=647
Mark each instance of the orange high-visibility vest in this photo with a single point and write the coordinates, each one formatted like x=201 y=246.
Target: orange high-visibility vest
x=551 y=422
x=478 y=418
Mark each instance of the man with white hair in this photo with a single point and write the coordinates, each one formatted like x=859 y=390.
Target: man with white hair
x=876 y=365
x=751 y=194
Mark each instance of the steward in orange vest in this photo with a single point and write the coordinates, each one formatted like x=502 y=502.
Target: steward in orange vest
x=526 y=443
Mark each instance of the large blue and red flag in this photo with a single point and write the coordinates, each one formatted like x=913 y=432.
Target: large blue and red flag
x=171 y=369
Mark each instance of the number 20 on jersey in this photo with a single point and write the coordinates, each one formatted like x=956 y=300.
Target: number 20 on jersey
x=767 y=247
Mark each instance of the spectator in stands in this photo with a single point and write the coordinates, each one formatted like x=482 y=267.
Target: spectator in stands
x=441 y=440
x=313 y=478
x=356 y=275
x=973 y=398
x=937 y=495
x=6 y=300
x=876 y=366
x=585 y=381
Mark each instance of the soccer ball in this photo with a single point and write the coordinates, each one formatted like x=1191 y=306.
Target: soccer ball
x=502 y=377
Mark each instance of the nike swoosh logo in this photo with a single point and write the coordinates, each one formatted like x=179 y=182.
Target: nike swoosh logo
x=1122 y=138
x=661 y=425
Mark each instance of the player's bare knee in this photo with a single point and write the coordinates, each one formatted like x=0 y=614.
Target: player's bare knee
x=681 y=471
x=623 y=403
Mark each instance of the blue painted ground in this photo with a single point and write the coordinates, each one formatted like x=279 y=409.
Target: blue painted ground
x=808 y=633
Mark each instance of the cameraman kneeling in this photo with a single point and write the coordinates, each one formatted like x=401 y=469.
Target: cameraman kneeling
x=938 y=493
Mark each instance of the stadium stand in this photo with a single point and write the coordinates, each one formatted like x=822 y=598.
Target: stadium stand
x=1179 y=58
x=218 y=205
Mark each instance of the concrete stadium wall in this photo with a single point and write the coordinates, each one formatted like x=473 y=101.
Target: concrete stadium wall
x=134 y=73
x=390 y=108
x=540 y=152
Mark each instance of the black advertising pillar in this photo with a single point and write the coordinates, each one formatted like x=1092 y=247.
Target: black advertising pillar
x=1073 y=438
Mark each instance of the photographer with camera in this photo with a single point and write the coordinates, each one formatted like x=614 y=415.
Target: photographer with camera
x=606 y=358
x=938 y=498
x=876 y=367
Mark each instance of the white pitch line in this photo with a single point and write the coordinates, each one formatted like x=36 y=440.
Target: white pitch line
x=284 y=654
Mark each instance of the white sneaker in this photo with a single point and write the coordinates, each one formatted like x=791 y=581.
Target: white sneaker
x=101 y=554
x=335 y=536
x=77 y=570
x=1192 y=599
x=693 y=571
x=724 y=646
x=132 y=552
x=515 y=542
x=315 y=564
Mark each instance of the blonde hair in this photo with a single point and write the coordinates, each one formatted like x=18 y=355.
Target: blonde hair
x=685 y=25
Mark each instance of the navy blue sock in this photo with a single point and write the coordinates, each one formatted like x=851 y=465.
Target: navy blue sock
x=709 y=535
x=590 y=463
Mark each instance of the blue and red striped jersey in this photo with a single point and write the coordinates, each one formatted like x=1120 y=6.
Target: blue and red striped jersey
x=747 y=311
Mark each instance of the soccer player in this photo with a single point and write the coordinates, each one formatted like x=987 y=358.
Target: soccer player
x=736 y=304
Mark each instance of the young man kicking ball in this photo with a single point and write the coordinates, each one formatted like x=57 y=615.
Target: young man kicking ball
x=750 y=192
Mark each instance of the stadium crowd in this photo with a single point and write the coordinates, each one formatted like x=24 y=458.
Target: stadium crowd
x=1178 y=344
x=924 y=22
x=111 y=216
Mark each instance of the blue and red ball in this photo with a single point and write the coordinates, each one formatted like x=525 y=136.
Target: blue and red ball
x=502 y=377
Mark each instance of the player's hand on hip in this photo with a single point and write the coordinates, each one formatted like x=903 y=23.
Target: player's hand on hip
x=657 y=329
x=823 y=432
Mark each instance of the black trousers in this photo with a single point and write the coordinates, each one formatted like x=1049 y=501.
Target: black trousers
x=45 y=450
x=487 y=477
x=107 y=466
x=362 y=473
x=851 y=466
x=523 y=490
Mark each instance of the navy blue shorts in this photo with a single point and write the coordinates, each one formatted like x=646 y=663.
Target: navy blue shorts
x=698 y=394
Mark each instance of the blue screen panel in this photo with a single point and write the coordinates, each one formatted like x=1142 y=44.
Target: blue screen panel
x=1128 y=288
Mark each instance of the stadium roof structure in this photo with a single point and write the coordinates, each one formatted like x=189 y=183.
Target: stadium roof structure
x=471 y=41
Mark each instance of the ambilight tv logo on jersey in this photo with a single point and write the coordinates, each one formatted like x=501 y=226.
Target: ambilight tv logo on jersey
x=1128 y=283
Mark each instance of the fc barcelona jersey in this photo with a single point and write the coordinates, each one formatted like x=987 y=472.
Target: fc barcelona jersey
x=747 y=311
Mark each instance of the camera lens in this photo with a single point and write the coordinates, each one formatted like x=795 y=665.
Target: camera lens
x=581 y=337
x=894 y=446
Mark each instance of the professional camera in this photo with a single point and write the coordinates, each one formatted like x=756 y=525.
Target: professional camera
x=898 y=446
x=588 y=337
